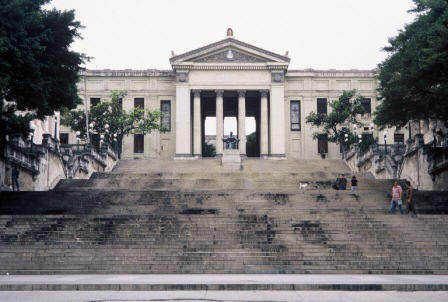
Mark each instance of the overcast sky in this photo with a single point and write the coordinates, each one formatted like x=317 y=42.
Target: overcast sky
x=320 y=34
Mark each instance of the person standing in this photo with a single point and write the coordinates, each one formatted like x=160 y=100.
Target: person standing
x=397 y=192
x=354 y=183
x=410 y=202
x=15 y=178
x=343 y=182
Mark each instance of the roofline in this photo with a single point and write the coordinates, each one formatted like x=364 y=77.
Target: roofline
x=241 y=43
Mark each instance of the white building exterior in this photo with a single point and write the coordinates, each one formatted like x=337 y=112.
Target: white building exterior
x=230 y=78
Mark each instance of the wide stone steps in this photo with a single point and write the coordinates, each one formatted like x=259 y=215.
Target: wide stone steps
x=180 y=217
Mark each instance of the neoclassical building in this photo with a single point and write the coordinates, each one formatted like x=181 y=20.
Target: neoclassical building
x=230 y=78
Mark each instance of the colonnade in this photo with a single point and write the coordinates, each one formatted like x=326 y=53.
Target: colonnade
x=189 y=135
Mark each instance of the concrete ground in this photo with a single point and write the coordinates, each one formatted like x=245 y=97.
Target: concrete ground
x=26 y=295
x=224 y=296
x=223 y=279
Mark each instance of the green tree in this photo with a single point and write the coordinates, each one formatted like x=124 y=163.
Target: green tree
x=209 y=150
x=414 y=77
x=252 y=149
x=118 y=121
x=38 y=71
x=344 y=111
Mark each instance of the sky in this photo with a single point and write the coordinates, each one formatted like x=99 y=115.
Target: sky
x=319 y=34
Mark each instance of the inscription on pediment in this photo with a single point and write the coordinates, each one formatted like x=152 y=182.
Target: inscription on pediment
x=230 y=55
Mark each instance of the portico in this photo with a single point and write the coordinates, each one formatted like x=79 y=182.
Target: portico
x=230 y=78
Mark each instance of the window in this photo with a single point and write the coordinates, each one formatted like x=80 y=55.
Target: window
x=321 y=106
x=295 y=115
x=138 y=143
x=165 y=108
x=95 y=141
x=139 y=103
x=399 y=138
x=63 y=138
x=366 y=103
x=94 y=101
x=322 y=144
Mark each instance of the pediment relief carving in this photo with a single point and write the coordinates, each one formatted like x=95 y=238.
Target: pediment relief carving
x=229 y=55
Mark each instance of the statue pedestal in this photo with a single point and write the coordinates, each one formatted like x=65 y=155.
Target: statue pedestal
x=231 y=159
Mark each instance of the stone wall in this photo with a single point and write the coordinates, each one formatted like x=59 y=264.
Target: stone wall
x=425 y=165
x=42 y=166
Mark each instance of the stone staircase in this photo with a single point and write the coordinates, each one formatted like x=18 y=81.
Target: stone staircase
x=194 y=217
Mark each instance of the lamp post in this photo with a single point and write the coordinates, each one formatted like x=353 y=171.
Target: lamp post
x=55 y=127
x=101 y=141
x=91 y=125
x=78 y=134
x=385 y=144
x=115 y=143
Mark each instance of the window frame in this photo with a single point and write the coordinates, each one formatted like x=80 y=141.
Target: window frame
x=319 y=102
x=93 y=100
x=364 y=103
x=326 y=143
x=66 y=135
x=162 y=102
x=299 y=124
x=137 y=150
x=141 y=106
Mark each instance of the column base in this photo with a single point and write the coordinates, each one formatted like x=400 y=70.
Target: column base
x=183 y=156
x=243 y=156
x=264 y=156
x=218 y=156
x=197 y=156
x=277 y=156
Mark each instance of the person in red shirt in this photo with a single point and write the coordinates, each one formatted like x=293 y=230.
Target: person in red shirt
x=397 y=192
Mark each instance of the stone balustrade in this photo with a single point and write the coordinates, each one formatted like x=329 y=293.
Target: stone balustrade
x=42 y=166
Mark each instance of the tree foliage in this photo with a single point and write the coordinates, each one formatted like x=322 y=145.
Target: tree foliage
x=38 y=71
x=252 y=148
x=209 y=150
x=344 y=111
x=414 y=77
x=118 y=121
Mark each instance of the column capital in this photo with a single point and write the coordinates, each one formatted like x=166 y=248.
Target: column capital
x=196 y=92
x=219 y=92
x=241 y=93
x=264 y=93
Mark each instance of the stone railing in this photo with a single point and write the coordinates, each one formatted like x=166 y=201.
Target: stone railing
x=382 y=161
x=425 y=165
x=42 y=166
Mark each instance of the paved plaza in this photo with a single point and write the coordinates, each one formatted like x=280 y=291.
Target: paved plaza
x=225 y=296
x=370 y=288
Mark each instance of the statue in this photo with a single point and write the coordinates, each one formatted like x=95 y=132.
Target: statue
x=231 y=142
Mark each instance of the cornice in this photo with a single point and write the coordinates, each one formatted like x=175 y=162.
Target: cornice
x=127 y=73
x=331 y=73
x=186 y=67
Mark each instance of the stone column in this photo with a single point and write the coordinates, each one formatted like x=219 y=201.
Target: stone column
x=277 y=121
x=242 y=121
x=264 y=151
x=219 y=122
x=197 y=135
x=183 y=122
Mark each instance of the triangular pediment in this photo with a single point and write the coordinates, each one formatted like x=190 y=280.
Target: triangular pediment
x=228 y=50
x=230 y=54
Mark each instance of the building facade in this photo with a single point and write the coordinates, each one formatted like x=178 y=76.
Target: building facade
x=231 y=78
